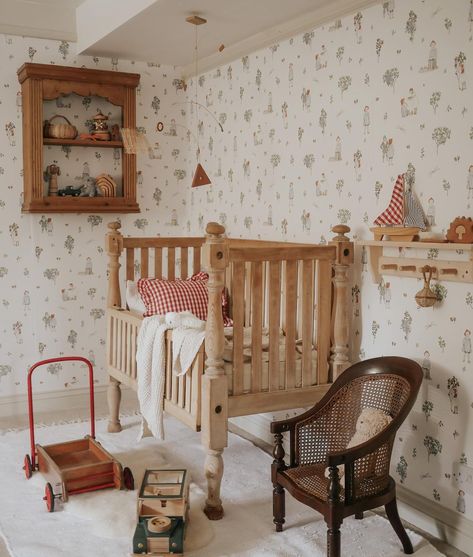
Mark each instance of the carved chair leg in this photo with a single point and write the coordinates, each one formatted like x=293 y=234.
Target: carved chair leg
x=393 y=516
x=279 y=506
x=333 y=541
x=114 y=396
x=359 y=516
x=214 y=473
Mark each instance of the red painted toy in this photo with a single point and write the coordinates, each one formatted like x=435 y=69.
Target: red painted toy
x=75 y=466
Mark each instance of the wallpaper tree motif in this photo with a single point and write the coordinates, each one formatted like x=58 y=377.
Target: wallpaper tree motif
x=53 y=267
x=317 y=128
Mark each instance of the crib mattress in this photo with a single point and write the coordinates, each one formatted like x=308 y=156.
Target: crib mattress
x=228 y=360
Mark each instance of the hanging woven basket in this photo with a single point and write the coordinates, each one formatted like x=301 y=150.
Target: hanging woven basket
x=426 y=297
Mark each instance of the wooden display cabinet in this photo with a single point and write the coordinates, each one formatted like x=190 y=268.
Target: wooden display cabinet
x=44 y=82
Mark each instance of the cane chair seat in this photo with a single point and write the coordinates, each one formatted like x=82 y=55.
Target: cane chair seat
x=311 y=479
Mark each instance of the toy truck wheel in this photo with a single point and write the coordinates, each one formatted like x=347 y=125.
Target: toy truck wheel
x=28 y=467
x=128 y=479
x=49 y=497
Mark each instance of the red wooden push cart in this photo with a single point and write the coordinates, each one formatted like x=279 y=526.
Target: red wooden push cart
x=73 y=466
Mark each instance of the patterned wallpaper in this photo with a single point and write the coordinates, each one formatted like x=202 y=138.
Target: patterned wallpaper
x=53 y=266
x=316 y=129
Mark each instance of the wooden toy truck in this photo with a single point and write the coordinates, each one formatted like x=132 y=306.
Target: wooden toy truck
x=163 y=506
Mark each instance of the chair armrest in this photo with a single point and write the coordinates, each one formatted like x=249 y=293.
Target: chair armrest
x=348 y=456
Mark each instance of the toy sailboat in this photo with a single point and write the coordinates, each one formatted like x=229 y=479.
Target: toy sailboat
x=403 y=218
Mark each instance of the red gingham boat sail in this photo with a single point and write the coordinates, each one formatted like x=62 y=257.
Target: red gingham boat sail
x=394 y=213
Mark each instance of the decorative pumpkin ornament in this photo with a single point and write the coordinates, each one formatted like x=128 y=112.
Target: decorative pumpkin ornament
x=426 y=297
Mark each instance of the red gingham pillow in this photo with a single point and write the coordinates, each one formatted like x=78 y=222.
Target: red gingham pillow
x=161 y=296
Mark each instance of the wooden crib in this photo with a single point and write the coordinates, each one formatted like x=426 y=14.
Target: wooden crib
x=297 y=293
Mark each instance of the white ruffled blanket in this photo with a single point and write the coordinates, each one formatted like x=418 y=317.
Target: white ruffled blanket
x=187 y=337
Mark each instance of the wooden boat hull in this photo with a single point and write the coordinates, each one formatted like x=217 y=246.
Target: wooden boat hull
x=396 y=233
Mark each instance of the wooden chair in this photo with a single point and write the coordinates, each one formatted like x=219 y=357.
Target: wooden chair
x=318 y=439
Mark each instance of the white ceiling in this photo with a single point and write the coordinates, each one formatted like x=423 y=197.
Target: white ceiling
x=156 y=30
x=160 y=33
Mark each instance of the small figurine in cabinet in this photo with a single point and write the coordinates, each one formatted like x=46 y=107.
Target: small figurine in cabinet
x=51 y=174
x=100 y=130
x=163 y=507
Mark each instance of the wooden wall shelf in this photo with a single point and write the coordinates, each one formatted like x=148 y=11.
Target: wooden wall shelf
x=83 y=143
x=44 y=82
x=408 y=266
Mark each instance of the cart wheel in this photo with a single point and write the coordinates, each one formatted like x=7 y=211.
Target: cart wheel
x=128 y=479
x=49 y=497
x=28 y=467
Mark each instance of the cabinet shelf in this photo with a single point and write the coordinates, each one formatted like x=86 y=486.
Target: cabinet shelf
x=407 y=266
x=69 y=204
x=83 y=143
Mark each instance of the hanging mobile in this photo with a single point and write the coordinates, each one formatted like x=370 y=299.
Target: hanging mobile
x=200 y=176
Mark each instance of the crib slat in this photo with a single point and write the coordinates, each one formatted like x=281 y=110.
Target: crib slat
x=247 y=294
x=144 y=263
x=184 y=263
x=257 y=325
x=129 y=353
x=307 y=310
x=119 y=345
x=238 y=323
x=324 y=297
x=188 y=377
x=114 y=348
x=197 y=371
x=196 y=261
x=124 y=332
x=182 y=392
x=291 y=307
x=158 y=263
x=171 y=263
x=109 y=339
x=274 y=319
x=130 y=264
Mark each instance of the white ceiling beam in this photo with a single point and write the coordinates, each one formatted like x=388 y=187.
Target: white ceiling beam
x=325 y=14
x=48 y=19
x=95 y=20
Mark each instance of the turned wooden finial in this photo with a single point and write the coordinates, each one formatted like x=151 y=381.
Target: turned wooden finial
x=340 y=230
x=215 y=229
x=115 y=225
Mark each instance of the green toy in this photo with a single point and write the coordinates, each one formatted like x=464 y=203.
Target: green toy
x=163 y=507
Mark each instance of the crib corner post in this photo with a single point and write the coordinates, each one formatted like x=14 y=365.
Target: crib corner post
x=339 y=360
x=214 y=381
x=114 y=247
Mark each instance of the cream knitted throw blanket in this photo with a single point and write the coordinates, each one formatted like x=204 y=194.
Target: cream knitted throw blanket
x=188 y=335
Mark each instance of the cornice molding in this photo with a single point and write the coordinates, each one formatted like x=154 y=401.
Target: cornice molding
x=334 y=10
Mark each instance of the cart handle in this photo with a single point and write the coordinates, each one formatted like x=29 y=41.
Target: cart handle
x=30 y=396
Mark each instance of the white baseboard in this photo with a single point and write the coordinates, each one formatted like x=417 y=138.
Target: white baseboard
x=427 y=515
x=445 y=524
x=57 y=401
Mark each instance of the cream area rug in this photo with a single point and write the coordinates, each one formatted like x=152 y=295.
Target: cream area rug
x=102 y=523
